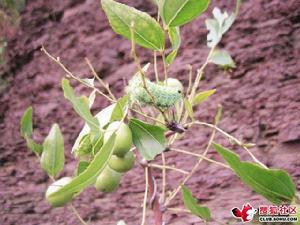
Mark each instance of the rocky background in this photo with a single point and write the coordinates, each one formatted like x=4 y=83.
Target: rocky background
x=261 y=100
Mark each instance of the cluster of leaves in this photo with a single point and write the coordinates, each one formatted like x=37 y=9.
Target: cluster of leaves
x=149 y=139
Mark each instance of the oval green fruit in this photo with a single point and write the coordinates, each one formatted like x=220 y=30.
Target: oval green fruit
x=58 y=201
x=123 y=140
x=122 y=164
x=108 y=180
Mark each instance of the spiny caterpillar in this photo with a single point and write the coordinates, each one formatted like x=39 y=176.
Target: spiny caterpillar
x=165 y=96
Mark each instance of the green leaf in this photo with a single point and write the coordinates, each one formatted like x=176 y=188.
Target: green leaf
x=179 y=12
x=148 y=32
x=85 y=146
x=27 y=130
x=82 y=166
x=26 y=123
x=202 y=96
x=189 y=108
x=53 y=158
x=174 y=35
x=148 y=139
x=170 y=58
x=222 y=58
x=175 y=39
x=218 y=26
x=33 y=146
x=120 y=109
x=191 y=203
x=97 y=144
x=90 y=174
x=81 y=106
x=274 y=184
x=103 y=117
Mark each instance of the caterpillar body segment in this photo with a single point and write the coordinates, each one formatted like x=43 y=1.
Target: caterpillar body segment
x=165 y=96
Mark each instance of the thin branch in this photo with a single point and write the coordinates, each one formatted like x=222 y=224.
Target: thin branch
x=178 y=210
x=69 y=73
x=169 y=168
x=155 y=66
x=163 y=54
x=238 y=142
x=145 y=196
x=163 y=192
x=78 y=215
x=200 y=156
x=190 y=68
x=106 y=86
x=194 y=169
x=142 y=74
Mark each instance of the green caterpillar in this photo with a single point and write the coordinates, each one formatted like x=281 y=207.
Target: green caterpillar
x=165 y=96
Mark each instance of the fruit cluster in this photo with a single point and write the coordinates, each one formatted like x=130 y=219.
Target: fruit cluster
x=121 y=161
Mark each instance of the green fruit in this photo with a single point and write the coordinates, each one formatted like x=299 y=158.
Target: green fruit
x=172 y=82
x=61 y=200
x=108 y=180
x=122 y=164
x=123 y=140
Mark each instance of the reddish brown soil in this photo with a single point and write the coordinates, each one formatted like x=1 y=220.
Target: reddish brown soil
x=261 y=101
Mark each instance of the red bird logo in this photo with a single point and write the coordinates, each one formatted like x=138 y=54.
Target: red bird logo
x=246 y=214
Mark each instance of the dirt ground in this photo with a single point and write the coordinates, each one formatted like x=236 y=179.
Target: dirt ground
x=261 y=100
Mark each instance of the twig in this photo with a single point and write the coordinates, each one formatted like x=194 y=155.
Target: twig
x=163 y=54
x=78 y=215
x=69 y=73
x=155 y=66
x=179 y=210
x=163 y=192
x=238 y=142
x=145 y=196
x=194 y=169
x=106 y=86
x=155 y=204
x=200 y=156
x=168 y=167
x=142 y=74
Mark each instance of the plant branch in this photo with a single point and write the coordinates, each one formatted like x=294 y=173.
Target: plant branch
x=163 y=54
x=78 y=215
x=106 y=86
x=163 y=192
x=142 y=74
x=145 y=196
x=194 y=169
x=200 y=156
x=238 y=142
x=169 y=168
x=70 y=74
